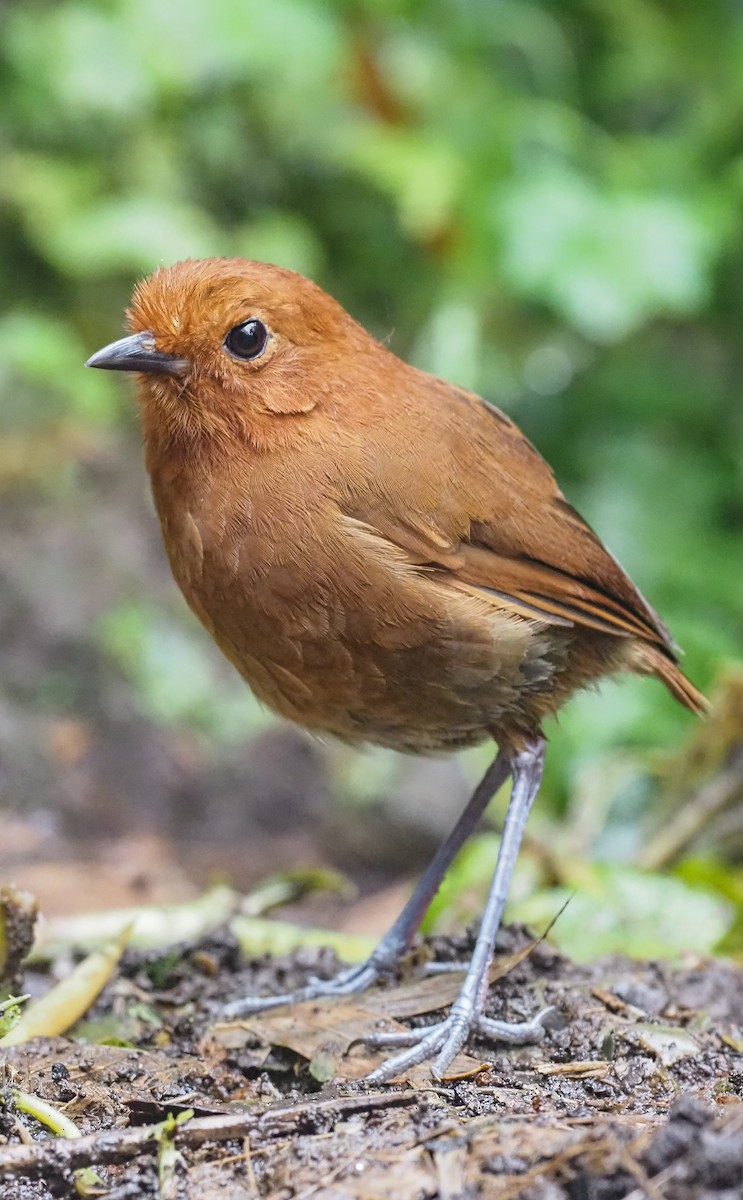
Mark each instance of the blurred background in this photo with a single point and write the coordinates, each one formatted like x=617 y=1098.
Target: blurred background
x=542 y=201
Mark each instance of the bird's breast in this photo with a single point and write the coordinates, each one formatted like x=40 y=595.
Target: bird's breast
x=334 y=628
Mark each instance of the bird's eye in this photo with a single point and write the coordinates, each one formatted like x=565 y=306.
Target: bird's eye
x=247 y=340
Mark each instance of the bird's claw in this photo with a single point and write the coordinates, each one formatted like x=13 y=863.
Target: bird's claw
x=437 y=967
x=443 y=1041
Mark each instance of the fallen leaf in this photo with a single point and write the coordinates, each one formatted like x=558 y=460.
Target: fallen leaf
x=329 y=1032
x=669 y=1045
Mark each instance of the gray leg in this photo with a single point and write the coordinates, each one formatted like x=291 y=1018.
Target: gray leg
x=445 y=1039
x=397 y=939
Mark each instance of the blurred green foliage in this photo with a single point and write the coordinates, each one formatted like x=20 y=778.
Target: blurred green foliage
x=538 y=199
x=606 y=908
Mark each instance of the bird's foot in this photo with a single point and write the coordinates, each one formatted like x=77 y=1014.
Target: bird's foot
x=346 y=983
x=443 y=1041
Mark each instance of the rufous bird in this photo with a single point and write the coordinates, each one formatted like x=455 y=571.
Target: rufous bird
x=382 y=555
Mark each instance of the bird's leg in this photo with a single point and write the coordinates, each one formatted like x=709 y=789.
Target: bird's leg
x=386 y=955
x=442 y=1041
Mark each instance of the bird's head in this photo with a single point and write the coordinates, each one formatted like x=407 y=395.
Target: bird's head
x=221 y=346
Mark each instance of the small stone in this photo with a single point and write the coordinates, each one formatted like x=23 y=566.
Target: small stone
x=650 y=998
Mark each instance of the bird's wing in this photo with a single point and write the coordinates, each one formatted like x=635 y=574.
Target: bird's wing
x=491 y=519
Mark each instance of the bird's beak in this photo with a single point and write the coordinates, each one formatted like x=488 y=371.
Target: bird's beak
x=137 y=353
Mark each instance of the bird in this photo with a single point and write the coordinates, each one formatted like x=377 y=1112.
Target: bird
x=384 y=557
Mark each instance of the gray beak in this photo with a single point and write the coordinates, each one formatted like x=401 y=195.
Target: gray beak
x=137 y=353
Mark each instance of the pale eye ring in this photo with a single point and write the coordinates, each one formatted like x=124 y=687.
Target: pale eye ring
x=247 y=340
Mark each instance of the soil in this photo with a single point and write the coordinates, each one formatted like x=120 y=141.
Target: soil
x=636 y=1090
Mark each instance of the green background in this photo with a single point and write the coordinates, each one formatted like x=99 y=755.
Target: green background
x=540 y=201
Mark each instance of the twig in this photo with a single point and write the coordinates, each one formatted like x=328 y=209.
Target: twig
x=711 y=799
x=115 y=1146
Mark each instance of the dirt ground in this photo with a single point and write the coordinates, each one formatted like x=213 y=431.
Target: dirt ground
x=635 y=1092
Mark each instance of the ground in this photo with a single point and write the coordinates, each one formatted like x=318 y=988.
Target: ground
x=635 y=1092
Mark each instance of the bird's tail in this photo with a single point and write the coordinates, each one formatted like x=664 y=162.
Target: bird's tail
x=651 y=660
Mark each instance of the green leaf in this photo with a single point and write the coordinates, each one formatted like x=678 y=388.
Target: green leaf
x=618 y=910
x=608 y=261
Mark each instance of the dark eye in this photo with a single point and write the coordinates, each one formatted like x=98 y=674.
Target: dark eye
x=247 y=340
